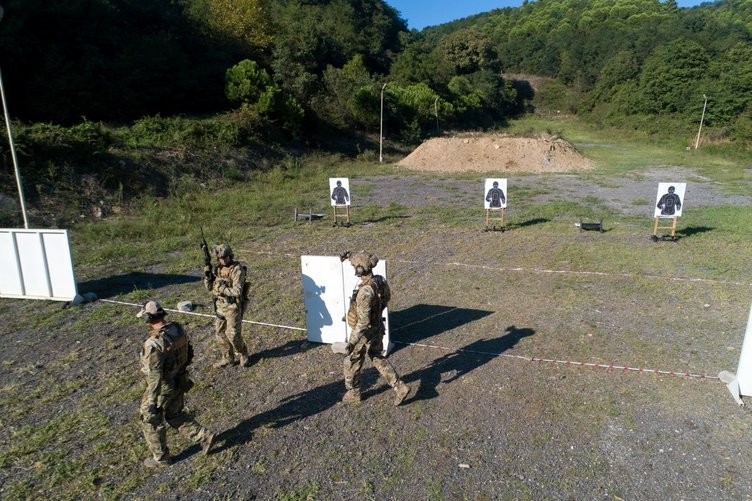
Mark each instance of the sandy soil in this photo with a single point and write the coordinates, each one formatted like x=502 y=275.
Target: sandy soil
x=486 y=152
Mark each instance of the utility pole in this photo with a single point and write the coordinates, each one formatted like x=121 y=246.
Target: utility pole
x=697 y=141
x=436 y=111
x=381 y=125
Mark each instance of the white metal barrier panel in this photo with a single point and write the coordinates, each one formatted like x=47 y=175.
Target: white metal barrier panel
x=741 y=384
x=328 y=284
x=36 y=264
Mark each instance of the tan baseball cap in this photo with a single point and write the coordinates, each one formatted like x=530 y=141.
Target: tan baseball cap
x=151 y=309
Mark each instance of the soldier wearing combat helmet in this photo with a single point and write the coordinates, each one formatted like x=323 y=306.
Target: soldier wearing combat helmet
x=366 y=337
x=227 y=283
x=165 y=357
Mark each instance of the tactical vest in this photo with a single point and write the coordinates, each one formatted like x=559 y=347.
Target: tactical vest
x=223 y=272
x=177 y=353
x=382 y=295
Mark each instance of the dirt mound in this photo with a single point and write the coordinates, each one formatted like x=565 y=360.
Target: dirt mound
x=496 y=152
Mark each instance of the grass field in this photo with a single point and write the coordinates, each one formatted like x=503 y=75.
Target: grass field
x=484 y=422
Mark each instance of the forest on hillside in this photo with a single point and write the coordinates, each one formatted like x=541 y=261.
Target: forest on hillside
x=294 y=63
x=107 y=92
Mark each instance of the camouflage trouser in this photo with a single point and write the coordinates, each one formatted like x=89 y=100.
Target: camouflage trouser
x=173 y=415
x=354 y=362
x=228 y=331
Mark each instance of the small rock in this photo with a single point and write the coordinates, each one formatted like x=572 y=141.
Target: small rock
x=185 y=306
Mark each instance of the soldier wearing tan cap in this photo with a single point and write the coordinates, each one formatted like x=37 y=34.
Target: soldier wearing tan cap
x=165 y=357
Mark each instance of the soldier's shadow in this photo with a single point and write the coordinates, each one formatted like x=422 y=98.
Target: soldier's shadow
x=128 y=282
x=423 y=321
x=452 y=366
x=284 y=350
x=291 y=409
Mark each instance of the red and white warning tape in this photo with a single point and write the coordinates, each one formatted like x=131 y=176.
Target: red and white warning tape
x=623 y=368
x=205 y=315
x=613 y=367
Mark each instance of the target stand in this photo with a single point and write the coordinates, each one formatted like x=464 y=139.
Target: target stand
x=341 y=215
x=657 y=226
x=493 y=216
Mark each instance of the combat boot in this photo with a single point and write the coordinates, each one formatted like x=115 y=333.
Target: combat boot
x=150 y=462
x=352 y=397
x=207 y=442
x=402 y=391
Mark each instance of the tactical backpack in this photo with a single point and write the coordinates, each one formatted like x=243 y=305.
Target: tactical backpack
x=381 y=288
x=178 y=351
x=246 y=295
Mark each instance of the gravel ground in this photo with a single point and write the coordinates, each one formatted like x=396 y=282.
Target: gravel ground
x=628 y=196
x=487 y=419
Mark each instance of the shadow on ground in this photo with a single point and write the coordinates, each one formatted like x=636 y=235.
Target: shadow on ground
x=423 y=321
x=456 y=364
x=529 y=222
x=693 y=230
x=291 y=409
x=121 y=284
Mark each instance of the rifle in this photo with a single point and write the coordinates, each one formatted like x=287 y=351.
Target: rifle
x=208 y=273
x=207 y=256
x=205 y=248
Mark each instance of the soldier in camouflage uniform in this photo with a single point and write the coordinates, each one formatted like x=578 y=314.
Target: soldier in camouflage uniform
x=166 y=354
x=366 y=337
x=226 y=282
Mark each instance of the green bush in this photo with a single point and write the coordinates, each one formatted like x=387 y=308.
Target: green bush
x=220 y=133
x=43 y=142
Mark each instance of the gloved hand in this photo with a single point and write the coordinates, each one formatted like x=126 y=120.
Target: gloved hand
x=152 y=415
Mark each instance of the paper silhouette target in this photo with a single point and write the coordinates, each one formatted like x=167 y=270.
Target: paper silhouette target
x=669 y=201
x=495 y=193
x=339 y=191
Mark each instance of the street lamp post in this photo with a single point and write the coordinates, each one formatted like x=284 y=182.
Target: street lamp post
x=702 y=118
x=381 y=125
x=436 y=111
x=12 y=147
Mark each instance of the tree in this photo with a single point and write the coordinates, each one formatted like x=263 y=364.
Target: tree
x=669 y=77
x=468 y=51
x=258 y=96
x=247 y=22
x=731 y=84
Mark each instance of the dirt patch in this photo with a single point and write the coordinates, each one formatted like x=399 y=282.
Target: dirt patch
x=494 y=152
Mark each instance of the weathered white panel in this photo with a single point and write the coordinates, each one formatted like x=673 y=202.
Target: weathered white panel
x=36 y=264
x=744 y=370
x=11 y=283
x=59 y=260
x=328 y=284
x=324 y=298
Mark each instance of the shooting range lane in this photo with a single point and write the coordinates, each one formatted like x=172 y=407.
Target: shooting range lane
x=439 y=343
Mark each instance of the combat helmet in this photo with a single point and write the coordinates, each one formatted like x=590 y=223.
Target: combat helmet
x=364 y=260
x=222 y=250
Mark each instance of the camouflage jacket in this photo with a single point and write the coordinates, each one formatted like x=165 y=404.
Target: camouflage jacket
x=366 y=307
x=226 y=283
x=166 y=353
